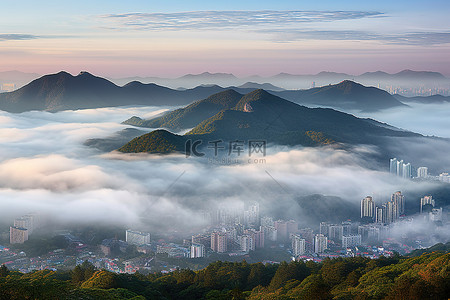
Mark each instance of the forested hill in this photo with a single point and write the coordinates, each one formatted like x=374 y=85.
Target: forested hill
x=422 y=277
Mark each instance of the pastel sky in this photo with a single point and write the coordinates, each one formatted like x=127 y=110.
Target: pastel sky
x=172 y=38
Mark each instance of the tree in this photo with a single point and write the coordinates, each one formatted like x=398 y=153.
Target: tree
x=286 y=272
x=313 y=287
x=101 y=280
x=83 y=272
x=4 y=271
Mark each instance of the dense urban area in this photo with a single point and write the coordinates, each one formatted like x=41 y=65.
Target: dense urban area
x=231 y=233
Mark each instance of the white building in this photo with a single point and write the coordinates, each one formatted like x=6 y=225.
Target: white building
x=247 y=242
x=367 y=207
x=399 y=201
x=251 y=216
x=351 y=240
x=219 y=242
x=18 y=235
x=270 y=233
x=320 y=243
x=197 y=251
x=335 y=232
x=399 y=168
x=298 y=245
x=393 y=166
x=422 y=172
x=137 y=237
x=407 y=170
x=426 y=200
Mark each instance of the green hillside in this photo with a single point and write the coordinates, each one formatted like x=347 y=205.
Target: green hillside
x=263 y=116
x=191 y=115
x=423 y=277
x=158 y=141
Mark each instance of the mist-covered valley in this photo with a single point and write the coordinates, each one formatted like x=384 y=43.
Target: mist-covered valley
x=45 y=167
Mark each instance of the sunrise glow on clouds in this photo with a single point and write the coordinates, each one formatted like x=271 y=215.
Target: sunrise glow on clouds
x=174 y=38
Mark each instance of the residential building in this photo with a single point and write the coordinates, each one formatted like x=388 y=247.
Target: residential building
x=367 y=207
x=320 y=243
x=298 y=245
x=422 y=172
x=197 y=251
x=426 y=201
x=351 y=240
x=219 y=242
x=18 y=235
x=137 y=237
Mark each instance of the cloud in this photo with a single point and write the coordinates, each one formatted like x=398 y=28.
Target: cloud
x=281 y=26
x=55 y=173
x=419 y=38
x=24 y=37
x=17 y=37
x=202 y=20
x=45 y=167
x=419 y=228
x=414 y=38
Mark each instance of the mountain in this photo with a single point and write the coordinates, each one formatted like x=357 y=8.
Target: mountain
x=114 y=141
x=435 y=99
x=59 y=92
x=418 y=75
x=265 y=86
x=191 y=115
x=192 y=80
x=260 y=115
x=62 y=91
x=345 y=95
x=156 y=142
x=405 y=77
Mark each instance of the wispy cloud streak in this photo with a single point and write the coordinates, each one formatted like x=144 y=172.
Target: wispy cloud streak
x=17 y=37
x=226 y=19
x=412 y=38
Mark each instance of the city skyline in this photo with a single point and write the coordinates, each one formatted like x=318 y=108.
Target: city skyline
x=263 y=38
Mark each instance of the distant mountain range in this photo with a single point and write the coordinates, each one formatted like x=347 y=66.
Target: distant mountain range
x=346 y=95
x=62 y=91
x=405 y=78
x=18 y=79
x=259 y=115
x=434 y=99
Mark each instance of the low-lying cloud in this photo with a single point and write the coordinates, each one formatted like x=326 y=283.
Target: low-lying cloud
x=45 y=167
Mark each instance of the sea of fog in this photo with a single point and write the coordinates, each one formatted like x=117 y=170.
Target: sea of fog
x=45 y=167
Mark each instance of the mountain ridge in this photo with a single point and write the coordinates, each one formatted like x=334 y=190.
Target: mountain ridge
x=260 y=115
x=63 y=91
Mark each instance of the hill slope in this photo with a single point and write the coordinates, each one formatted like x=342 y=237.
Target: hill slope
x=345 y=95
x=191 y=115
x=158 y=142
x=62 y=91
x=260 y=115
